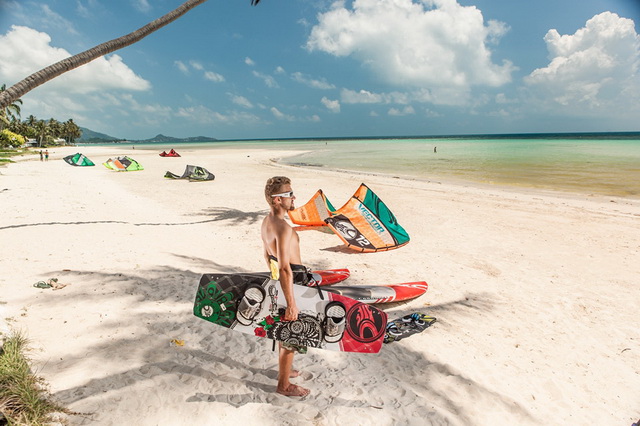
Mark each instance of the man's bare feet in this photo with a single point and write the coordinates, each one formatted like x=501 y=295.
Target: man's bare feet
x=293 y=374
x=294 y=390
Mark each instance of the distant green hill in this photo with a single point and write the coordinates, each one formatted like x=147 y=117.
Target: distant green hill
x=89 y=136
x=170 y=139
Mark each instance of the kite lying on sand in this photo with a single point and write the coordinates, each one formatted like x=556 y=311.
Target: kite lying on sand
x=171 y=153
x=364 y=223
x=193 y=173
x=78 y=160
x=123 y=164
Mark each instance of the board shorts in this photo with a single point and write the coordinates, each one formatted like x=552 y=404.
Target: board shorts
x=301 y=349
x=300 y=275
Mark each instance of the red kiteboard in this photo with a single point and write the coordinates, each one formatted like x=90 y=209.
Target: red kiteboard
x=321 y=277
x=381 y=293
x=329 y=276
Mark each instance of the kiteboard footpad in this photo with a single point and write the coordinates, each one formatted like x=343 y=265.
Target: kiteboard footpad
x=250 y=304
x=334 y=321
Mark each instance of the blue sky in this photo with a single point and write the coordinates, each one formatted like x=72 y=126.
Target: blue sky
x=302 y=68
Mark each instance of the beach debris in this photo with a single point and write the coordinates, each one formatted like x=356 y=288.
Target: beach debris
x=59 y=286
x=51 y=283
x=177 y=342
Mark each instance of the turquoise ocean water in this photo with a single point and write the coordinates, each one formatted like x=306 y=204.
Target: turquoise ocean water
x=602 y=164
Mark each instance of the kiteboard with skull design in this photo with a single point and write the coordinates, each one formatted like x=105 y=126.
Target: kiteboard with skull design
x=255 y=304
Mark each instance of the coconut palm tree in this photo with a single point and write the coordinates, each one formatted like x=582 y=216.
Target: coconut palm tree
x=31 y=120
x=55 y=128
x=10 y=112
x=68 y=64
x=71 y=131
x=43 y=131
x=17 y=126
x=30 y=127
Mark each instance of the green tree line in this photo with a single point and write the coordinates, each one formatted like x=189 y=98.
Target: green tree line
x=44 y=131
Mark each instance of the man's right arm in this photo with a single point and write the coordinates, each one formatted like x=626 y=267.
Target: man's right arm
x=283 y=238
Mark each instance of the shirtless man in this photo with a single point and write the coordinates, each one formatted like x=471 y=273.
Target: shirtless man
x=281 y=249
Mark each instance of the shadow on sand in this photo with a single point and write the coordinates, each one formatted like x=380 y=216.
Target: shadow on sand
x=236 y=217
x=216 y=360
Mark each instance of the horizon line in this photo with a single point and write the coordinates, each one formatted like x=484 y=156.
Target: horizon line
x=528 y=135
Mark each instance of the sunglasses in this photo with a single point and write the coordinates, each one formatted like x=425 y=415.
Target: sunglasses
x=284 y=194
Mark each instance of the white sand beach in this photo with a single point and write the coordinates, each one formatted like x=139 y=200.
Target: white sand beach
x=536 y=296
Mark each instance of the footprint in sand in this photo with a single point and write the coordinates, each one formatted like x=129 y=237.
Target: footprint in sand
x=487 y=268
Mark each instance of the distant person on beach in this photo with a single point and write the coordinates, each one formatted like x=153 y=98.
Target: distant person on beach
x=41 y=155
x=46 y=155
x=281 y=249
x=435 y=149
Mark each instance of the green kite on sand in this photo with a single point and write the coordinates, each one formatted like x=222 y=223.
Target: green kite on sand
x=123 y=164
x=78 y=160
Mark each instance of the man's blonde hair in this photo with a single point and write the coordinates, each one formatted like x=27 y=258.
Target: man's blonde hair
x=273 y=186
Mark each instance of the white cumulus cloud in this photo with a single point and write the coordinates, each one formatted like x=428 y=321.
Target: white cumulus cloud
x=196 y=65
x=331 y=105
x=431 y=44
x=54 y=20
x=240 y=100
x=202 y=115
x=315 y=83
x=362 y=97
x=214 y=76
x=408 y=110
x=142 y=5
x=280 y=115
x=25 y=51
x=182 y=67
x=595 y=69
x=268 y=80
x=349 y=96
x=90 y=94
x=82 y=10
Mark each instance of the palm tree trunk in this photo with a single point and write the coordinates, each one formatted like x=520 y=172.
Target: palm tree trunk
x=52 y=71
